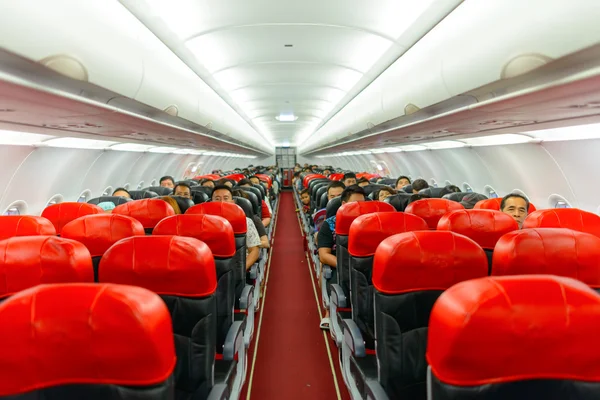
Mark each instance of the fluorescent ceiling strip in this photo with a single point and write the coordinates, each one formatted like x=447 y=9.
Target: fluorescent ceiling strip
x=21 y=139
x=580 y=132
x=131 y=147
x=77 y=143
x=496 y=140
x=162 y=149
x=444 y=144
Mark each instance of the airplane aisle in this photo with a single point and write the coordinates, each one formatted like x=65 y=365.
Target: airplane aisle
x=292 y=355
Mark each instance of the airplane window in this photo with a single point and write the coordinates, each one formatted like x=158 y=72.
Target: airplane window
x=12 y=211
x=140 y=185
x=433 y=183
x=467 y=188
x=490 y=192
x=153 y=183
x=18 y=207
x=126 y=186
x=108 y=191
x=447 y=183
x=522 y=193
x=561 y=204
x=84 y=196
x=57 y=198
x=557 y=201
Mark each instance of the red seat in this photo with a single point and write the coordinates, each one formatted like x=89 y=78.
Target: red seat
x=554 y=251
x=88 y=339
x=310 y=177
x=494 y=204
x=571 y=218
x=235 y=177
x=62 y=213
x=515 y=337
x=266 y=179
x=432 y=210
x=148 y=211
x=29 y=261
x=231 y=212
x=336 y=177
x=24 y=225
x=348 y=212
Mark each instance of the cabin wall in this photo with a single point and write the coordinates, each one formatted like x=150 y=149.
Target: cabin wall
x=567 y=168
x=35 y=175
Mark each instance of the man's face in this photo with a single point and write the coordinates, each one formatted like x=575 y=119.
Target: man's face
x=334 y=192
x=167 y=183
x=384 y=194
x=349 y=181
x=183 y=191
x=402 y=182
x=222 y=195
x=210 y=184
x=121 y=193
x=327 y=172
x=356 y=197
x=305 y=198
x=516 y=208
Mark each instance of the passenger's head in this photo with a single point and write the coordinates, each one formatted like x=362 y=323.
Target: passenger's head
x=419 y=184
x=167 y=181
x=468 y=201
x=224 y=182
x=121 y=192
x=239 y=193
x=353 y=193
x=222 y=193
x=208 y=183
x=305 y=197
x=335 y=189
x=183 y=189
x=385 y=192
x=402 y=181
x=362 y=182
x=515 y=205
x=327 y=172
x=349 y=179
x=254 y=179
x=449 y=189
x=245 y=182
x=172 y=202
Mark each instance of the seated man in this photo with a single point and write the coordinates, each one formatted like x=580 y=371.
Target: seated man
x=402 y=181
x=260 y=228
x=362 y=182
x=167 y=181
x=225 y=182
x=224 y=193
x=265 y=211
x=207 y=183
x=326 y=239
x=121 y=192
x=419 y=184
x=183 y=189
x=384 y=193
x=515 y=205
x=334 y=189
x=349 y=179
x=305 y=199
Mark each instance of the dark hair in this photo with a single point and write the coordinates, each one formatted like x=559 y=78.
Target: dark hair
x=304 y=191
x=416 y=197
x=420 y=184
x=449 y=189
x=403 y=177
x=221 y=187
x=166 y=177
x=388 y=189
x=239 y=193
x=335 y=184
x=349 y=175
x=245 y=182
x=361 y=180
x=253 y=176
x=221 y=182
x=350 y=190
x=508 y=196
x=121 y=189
x=184 y=184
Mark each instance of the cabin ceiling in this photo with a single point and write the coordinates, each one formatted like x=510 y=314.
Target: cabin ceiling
x=303 y=58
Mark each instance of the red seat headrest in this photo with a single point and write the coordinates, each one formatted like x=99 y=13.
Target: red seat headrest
x=554 y=251
x=432 y=210
x=367 y=231
x=426 y=260
x=54 y=335
x=211 y=177
x=230 y=211
x=505 y=329
x=310 y=177
x=28 y=261
x=168 y=265
x=213 y=230
x=571 y=218
x=485 y=227
x=348 y=212
x=235 y=177
x=24 y=225
x=148 y=211
x=336 y=177
x=494 y=204
x=265 y=178
x=99 y=232
x=62 y=213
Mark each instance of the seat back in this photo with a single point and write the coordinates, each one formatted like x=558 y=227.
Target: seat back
x=86 y=341
x=410 y=271
x=485 y=227
x=204 y=189
x=571 y=218
x=100 y=231
x=333 y=206
x=372 y=188
x=515 y=337
x=62 y=213
x=24 y=225
x=432 y=210
x=159 y=190
x=399 y=201
x=142 y=194
x=116 y=200
x=199 y=197
x=260 y=195
x=218 y=235
x=245 y=205
x=182 y=271
x=494 y=204
x=433 y=192
x=365 y=234
x=256 y=204
x=310 y=177
x=554 y=251
x=323 y=201
x=317 y=195
x=314 y=183
x=456 y=196
x=336 y=177
x=29 y=261
x=148 y=212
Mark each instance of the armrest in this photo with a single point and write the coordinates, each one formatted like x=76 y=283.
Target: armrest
x=337 y=296
x=353 y=338
x=218 y=392
x=234 y=340
x=375 y=390
x=326 y=271
x=253 y=271
x=246 y=297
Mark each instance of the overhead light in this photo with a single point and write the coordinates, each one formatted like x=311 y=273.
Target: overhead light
x=286 y=118
x=131 y=147
x=494 y=140
x=444 y=144
x=580 y=132
x=412 y=147
x=77 y=143
x=162 y=149
x=21 y=138
x=188 y=151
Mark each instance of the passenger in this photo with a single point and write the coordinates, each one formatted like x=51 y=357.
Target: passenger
x=173 y=203
x=449 y=189
x=224 y=182
x=402 y=181
x=326 y=239
x=334 y=189
x=223 y=193
x=121 y=192
x=515 y=205
x=265 y=209
x=183 y=189
x=471 y=199
x=167 y=181
x=260 y=228
x=362 y=182
x=207 y=183
x=385 y=192
x=107 y=206
x=349 y=179
x=419 y=184
x=326 y=172
x=305 y=199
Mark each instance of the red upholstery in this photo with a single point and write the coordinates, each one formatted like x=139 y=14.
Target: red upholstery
x=367 y=175
x=425 y=260
x=483 y=226
x=24 y=225
x=555 y=251
x=29 y=261
x=62 y=334
x=494 y=204
x=235 y=177
x=148 y=211
x=348 y=212
x=432 y=210
x=336 y=177
x=213 y=230
x=99 y=232
x=265 y=178
x=212 y=177
x=231 y=212
x=367 y=231
x=62 y=213
x=571 y=218
x=169 y=265
x=505 y=329
x=310 y=177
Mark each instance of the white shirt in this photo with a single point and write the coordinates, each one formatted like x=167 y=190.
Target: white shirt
x=252 y=238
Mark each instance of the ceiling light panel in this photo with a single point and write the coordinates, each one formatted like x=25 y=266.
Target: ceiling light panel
x=494 y=140
x=131 y=147
x=21 y=138
x=77 y=143
x=580 y=132
x=444 y=144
